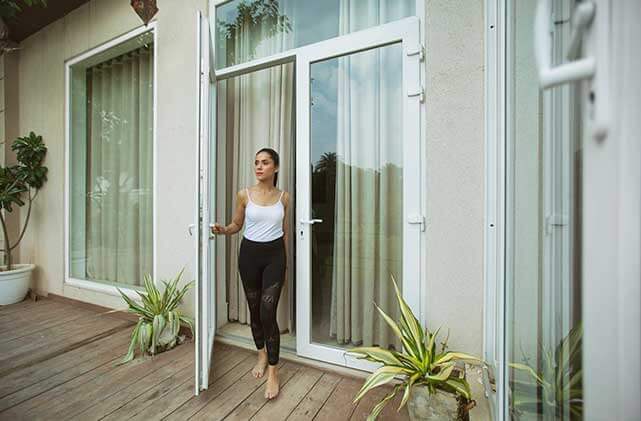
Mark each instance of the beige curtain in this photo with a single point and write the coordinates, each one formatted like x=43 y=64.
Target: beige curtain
x=259 y=113
x=120 y=168
x=368 y=215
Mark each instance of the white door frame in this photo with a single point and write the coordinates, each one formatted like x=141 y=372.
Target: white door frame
x=205 y=306
x=405 y=31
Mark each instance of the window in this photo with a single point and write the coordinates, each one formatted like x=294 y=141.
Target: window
x=543 y=331
x=110 y=185
x=253 y=29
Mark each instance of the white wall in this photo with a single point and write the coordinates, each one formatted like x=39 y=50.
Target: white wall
x=455 y=151
x=40 y=81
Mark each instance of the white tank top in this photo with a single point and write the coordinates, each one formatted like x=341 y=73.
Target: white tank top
x=264 y=223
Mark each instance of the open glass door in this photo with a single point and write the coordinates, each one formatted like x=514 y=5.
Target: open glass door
x=205 y=302
x=358 y=213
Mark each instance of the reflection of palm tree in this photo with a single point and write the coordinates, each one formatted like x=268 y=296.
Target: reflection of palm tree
x=257 y=20
x=327 y=163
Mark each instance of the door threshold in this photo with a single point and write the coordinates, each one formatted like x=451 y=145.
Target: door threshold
x=290 y=355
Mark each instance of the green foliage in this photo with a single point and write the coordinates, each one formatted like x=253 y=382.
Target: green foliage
x=19 y=183
x=9 y=8
x=253 y=18
x=558 y=385
x=159 y=318
x=419 y=363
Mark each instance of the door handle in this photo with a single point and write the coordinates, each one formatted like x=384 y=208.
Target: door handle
x=190 y=229
x=310 y=221
x=575 y=70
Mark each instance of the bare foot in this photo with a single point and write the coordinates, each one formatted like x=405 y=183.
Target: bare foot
x=271 y=387
x=259 y=368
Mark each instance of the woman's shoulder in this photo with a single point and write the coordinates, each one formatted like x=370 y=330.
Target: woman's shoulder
x=285 y=197
x=241 y=195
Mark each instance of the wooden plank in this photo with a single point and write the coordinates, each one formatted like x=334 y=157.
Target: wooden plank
x=55 y=317
x=19 y=411
x=83 y=395
x=226 y=358
x=339 y=405
x=368 y=402
x=256 y=400
x=33 y=348
x=290 y=395
x=120 y=314
x=24 y=305
x=154 y=394
x=185 y=391
x=315 y=398
x=215 y=403
x=31 y=381
x=106 y=405
x=38 y=310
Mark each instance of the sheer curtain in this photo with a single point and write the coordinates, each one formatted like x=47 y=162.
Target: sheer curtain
x=119 y=213
x=259 y=108
x=368 y=213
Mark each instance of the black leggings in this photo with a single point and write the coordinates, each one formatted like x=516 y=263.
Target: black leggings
x=262 y=270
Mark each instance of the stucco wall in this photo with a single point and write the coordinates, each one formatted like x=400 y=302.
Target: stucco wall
x=453 y=296
x=455 y=170
x=40 y=84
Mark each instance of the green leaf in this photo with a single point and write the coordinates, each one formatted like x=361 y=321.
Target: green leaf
x=376 y=354
x=410 y=323
x=458 y=356
x=460 y=386
x=530 y=371
x=379 y=407
x=381 y=376
x=158 y=326
x=442 y=375
x=408 y=388
x=132 y=344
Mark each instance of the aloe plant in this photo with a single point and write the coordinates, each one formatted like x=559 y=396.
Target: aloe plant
x=159 y=318
x=418 y=364
x=558 y=385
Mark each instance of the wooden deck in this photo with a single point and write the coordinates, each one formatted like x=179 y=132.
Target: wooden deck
x=58 y=361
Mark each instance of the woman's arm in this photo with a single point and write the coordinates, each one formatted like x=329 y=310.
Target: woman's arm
x=286 y=226
x=238 y=218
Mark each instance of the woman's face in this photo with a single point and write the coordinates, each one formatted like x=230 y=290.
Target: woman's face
x=264 y=167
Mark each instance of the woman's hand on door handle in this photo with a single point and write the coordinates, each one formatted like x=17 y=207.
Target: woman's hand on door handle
x=216 y=228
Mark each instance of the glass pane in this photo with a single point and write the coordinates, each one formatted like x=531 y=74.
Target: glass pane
x=251 y=29
x=357 y=186
x=254 y=110
x=111 y=174
x=543 y=273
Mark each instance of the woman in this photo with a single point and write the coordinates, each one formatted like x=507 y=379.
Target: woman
x=262 y=259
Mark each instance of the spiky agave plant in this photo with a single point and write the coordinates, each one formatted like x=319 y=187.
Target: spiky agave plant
x=558 y=385
x=159 y=318
x=418 y=363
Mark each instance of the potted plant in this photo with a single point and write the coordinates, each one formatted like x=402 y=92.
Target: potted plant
x=159 y=319
x=555 y=388
x=19 y=185
x=433 y=381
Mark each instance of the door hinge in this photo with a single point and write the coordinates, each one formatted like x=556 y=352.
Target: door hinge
x=420 y=93
x=554 y=221
x=417 y=219
x=418 y=50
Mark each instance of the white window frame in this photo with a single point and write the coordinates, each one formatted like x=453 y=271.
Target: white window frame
x=494 y=221
x=290 y=56
x=94 y=285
